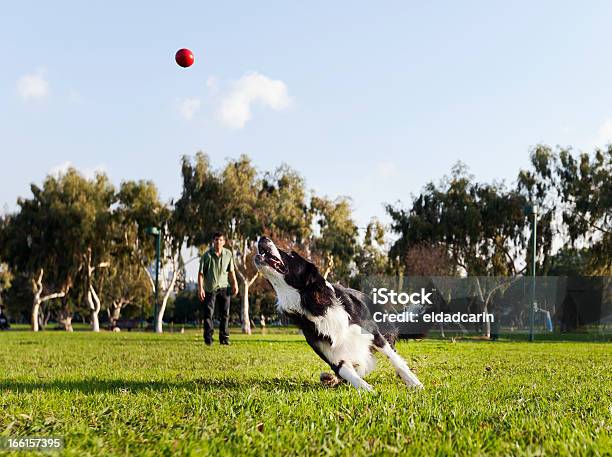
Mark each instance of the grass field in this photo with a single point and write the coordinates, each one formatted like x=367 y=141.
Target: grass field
x=146 y=394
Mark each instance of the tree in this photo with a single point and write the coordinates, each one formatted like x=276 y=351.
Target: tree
x=425 y=260
x=97 y=197
x=336 y=241
x=5 y=273
x=539 y=188
x=370 y=257
x=186 y=307
x=200 y=209
x=49 y=237
x=241 y=188
x=93 y=295
x=479 y=227
x=574 y=194
x=170 y=269
x=240 y=202
x=585 y=186
x=5 y=281
x=283 y=208
x=30 y=252
x=126 y=281
x=569 y=262
x=138 y=208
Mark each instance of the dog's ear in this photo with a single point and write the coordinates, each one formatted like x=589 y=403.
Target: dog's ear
x=313 y=277
x=321 y=296
x=311 y=271
x=297 y=254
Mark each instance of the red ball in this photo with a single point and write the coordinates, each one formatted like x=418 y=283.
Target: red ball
x=184 y=57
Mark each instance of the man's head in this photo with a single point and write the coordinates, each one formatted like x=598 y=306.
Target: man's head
x=218 y=241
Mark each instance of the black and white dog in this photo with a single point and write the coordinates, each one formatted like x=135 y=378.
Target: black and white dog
x=335 y=320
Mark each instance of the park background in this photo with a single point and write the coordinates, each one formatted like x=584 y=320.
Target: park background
x=81 y=247
x=402 y=139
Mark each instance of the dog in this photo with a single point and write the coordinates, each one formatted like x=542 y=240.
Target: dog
x=335 y=320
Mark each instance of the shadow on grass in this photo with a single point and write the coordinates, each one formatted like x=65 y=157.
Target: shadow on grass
x=93 y=385
x=200 y=342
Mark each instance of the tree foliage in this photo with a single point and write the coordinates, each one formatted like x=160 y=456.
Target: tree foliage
x=479 y=226
x=81 y=244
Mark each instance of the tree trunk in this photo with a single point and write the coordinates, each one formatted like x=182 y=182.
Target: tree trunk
x=159 y=319
x=95 y=322
x=94 y=304
x=242 y=272
x=114 y=312
x=93 y=299
x=246 y=284
x=487 y=325
x=65 y=319
x=35 y=311
x=37 y=287
x=45 y=317
x=329 y=267
x=246 y=321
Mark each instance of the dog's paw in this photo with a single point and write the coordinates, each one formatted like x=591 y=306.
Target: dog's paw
x=418 y=385
x=365 y=387
x=410 y=379
x=329 y=379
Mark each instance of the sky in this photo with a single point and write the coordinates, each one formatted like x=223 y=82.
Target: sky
x=369 y=100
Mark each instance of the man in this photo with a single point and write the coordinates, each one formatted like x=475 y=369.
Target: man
x=215 y=266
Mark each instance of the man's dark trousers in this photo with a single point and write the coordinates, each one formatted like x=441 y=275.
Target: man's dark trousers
x=223 y=295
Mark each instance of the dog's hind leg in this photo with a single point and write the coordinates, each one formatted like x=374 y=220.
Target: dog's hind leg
x=346 y=371
x=400 y=365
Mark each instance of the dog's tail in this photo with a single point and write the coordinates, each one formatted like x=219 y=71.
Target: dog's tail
x=390 y=334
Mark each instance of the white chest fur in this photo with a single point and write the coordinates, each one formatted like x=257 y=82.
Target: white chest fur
x=353 y=346
x=289 y=299
x=350 y=343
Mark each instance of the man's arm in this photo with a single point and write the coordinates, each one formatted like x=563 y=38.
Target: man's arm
x=201 y=293
x=232 y=276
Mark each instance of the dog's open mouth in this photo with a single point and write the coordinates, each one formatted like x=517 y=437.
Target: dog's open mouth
x=275 y=263
x=267 y=256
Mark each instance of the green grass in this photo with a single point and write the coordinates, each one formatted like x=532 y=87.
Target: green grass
x=146 y=394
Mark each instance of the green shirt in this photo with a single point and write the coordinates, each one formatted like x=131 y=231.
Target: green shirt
x=214 y=269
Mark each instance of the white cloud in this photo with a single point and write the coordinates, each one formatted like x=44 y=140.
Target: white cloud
x=88 y=172
x=235 y=109
x=604 y=135
x=33 y=85
x=386 y=169
x=188 y=107
x=212 y=83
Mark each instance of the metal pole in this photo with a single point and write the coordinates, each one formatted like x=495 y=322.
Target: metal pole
x=157 y=255
x=533 y=279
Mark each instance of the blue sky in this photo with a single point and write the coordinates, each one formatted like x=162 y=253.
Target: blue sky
x=365 y=99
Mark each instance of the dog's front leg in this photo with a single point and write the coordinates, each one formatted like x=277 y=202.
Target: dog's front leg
x=401 y=367
x=347 y=371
